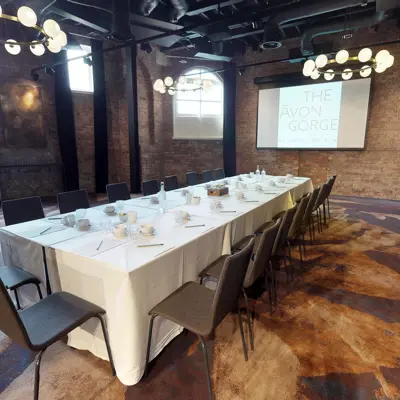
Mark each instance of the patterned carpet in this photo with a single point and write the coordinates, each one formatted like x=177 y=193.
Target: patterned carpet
x=335 y=334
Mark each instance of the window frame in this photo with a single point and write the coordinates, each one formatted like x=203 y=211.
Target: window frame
x=87 y=49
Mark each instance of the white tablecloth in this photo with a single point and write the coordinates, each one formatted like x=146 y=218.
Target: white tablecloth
x=127 y=280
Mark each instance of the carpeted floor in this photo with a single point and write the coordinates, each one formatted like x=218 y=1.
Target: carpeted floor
x=335 y=334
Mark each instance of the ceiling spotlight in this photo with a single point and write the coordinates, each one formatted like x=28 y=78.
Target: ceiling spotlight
x=88 y=61
x=49 y=71
x=242 y=71
x=183 y=61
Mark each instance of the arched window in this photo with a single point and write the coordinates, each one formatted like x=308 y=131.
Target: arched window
x=198 y=114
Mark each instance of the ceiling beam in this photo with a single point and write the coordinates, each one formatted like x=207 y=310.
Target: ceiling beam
x=208 y=5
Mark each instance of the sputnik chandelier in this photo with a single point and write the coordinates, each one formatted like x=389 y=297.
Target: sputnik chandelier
x=183 y=84
x=52 y=35
x=364 y=64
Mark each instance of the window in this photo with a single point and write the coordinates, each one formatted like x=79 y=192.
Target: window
x=80 y=73
x=198 y=114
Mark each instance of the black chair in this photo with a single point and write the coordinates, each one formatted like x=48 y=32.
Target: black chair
x=22 y=210
x=219 y=173
x=331 y=182
x=207 y=176
x=200 y=310
x=71 y=201
x=307 y=219
x=46 y=322
x=321 y=199
x=150 y=187
x=16 y=212
x=117 y=191
x=191 y=178
x=171 y=182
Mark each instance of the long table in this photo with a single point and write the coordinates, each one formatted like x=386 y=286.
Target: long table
x=127 y=280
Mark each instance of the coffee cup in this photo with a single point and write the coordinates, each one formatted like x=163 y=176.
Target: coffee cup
x=196 y=200
x=69 y=220
x=146 y=229
x=83 y=224
x=132 y=217
x=123 y=217
x=120 y=231
x=109 y=209
x=239 y=195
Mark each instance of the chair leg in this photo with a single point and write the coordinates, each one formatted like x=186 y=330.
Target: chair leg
x=149 y=345
x=242 y=334
x=107 y=340
x=274 y=285
x=246 y=300
x=39 y=291
x=329 y=208
x=269 y=291
x=304 y=246
x=204 y=350
x=17 y=299
x=323 y=206
x=286 y=265
x=301 y=252
x=37 y=375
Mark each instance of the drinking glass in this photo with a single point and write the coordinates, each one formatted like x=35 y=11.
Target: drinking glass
x=80 y=213
x=119 y=205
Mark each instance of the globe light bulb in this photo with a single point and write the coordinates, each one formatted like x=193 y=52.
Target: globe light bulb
x=342 y=56
x=380 y=67
x=51 y=28
x=308 y=68
x=171 y=91
x=61 y=38
x=389 y=61
x=347 y=74
x=53 y=45
x=158 y=85
x=168 y=81
x=382 y=56
x=12 y=47
x=329 y=74
x=37 y=49
x=27 y=16
x=162 y=91
x=365 y=71
x=321 y=61
x=315 y=74
x=365 y=55
x=1 y=11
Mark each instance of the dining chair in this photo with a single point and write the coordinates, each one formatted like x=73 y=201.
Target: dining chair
x=191 y=178
x=22 y=210
x=118 y=191
x=70 y=201
x=150 y=187
x=307 y=219
x=219 y=173
x=207 y=176
x=320 y=202
x=331 y=182
x=46 y=322
x=260 y=264
x=200 y=309
x=171 y=182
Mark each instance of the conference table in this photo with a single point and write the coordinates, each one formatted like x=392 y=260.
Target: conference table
x=126 y=279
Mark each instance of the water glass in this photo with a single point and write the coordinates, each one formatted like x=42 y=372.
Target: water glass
x=80 y=213
x=119 y=205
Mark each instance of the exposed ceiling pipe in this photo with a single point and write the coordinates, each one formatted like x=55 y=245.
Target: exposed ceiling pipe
x=273 y=33
x=307 y=47
x=180 y=9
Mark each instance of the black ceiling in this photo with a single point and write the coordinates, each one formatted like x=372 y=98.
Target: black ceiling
x=219 y=29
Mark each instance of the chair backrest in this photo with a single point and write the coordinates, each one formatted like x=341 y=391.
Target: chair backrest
x=191 y=178
x=10 y=321
x=22 y=210
x=150 y=187
x=171 y=182
x=263 y=255
x=219 y=173
x=118 y=191
x=71 y=201
x=295 y=228
x=310 y=206
x=207 y=176
x=230 y=283
x=281 y=237
x=331 y=182
x=322 y=195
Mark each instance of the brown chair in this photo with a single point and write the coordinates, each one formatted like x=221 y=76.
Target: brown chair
x=171 y=183
x=118 y=191
x=200 y=310
x=71 y=201
x=150 y=187
x=46 y=322
x=259 y=265
x=191 y=178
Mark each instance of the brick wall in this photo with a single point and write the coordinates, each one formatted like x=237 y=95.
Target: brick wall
x=24 y=180
x=374 y=172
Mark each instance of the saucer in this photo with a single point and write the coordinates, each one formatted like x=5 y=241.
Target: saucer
x=149 y=234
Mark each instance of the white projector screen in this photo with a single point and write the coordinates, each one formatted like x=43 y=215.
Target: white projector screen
x=330 y=115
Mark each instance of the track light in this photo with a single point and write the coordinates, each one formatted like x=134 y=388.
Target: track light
x=88 y=61
x=242 y=71
x=49 y=71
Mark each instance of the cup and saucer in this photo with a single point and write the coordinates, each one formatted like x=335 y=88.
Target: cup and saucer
x=240 y=195
x=109 y=210
x=147 y=230
x=83 y=224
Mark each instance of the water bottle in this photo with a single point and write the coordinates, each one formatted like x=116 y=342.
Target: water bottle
x=258 y=173
x=263 y=174
x=162 y=198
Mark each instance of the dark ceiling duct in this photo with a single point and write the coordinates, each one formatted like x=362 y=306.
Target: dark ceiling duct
x=121 y=25
x=307 y=47
x=180 y=9
x=147 y=6
x=273 y=32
